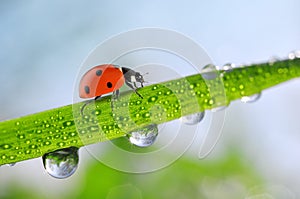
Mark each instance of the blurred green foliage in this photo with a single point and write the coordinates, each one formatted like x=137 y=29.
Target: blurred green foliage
x=229 y=176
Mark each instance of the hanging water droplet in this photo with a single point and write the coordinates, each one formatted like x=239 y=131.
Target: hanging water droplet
x=144 y=137
x=193 y=118
x=209 y=72
x=61 y=163
x=252 y=98
x=219 y=108
x=228 y=67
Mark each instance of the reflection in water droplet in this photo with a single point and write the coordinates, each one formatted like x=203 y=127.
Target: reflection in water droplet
x=209 y=72
x=252 y=98
x=193 y=118
x=144 y=137
x=61 y=163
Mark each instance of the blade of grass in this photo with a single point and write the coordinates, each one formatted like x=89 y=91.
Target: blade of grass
x=34 y=135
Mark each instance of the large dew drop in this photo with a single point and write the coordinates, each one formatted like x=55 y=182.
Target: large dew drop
x=209 y=72
x=144 y=137
x=61 y=163
x=193 y=118
x=250 y=99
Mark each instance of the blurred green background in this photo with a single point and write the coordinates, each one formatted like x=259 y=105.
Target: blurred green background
x=43 y=44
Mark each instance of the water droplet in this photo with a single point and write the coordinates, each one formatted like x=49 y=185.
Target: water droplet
x=68 y=123
x=152 y=99
x=61 y=163
x=21 y=136
x=209 y=72
x=144 y=137
x=6 y=146
x=273 y=59
x=294 y=54
x=12 y=164
x=193 y=118
x=252 y=98
x=220 y=108
x=228 y=67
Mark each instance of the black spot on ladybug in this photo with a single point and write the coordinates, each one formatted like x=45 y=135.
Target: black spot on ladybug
x=109 y=84
x=99 y=72
x=87 y=89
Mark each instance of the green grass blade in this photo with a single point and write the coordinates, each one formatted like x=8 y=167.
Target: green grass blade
x=34 y=135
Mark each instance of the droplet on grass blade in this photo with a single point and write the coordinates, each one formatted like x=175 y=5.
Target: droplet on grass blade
x=250 y=99
x=228 y=67
x=209 y=72
x=61 y=163
x=193 y=118
x=144 y=137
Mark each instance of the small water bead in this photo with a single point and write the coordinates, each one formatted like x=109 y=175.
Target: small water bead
x=61 y=144
x=152 y=99
x=209 y=72
x=250 y=99
x=61 y=163
x=93 y=128
x=68 y=123
x=154 y=87
x=6 y=146
x=228 y=67
x=97 y=112
x=273 y=60
x=217 y=109
x=144 y=137
x=294 y=55
x=193 y=118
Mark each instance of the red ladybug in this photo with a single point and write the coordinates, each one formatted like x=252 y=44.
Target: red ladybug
x=107 y=78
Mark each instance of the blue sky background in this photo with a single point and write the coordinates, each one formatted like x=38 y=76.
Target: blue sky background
x=43 y=44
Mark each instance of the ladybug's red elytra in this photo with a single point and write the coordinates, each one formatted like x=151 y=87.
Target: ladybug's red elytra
x=107 y=78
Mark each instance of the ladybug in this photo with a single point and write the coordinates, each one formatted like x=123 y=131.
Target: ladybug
x=107 y=78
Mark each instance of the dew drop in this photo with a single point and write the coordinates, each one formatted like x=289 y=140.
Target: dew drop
x=252 y=98
x=228 y=67
x=273 y=60
x=6 y=146
x=220 y=108
x=152 y=99
x=294 y=55
x=21 y=136
x=193 y=118
x=61 y=163
x=209 y=72
x=144 y=137
x=68 y=123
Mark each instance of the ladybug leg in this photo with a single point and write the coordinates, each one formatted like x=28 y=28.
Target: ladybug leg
x=116 y=94
x=96 y=98
x=133 y=87
x=86 y=103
